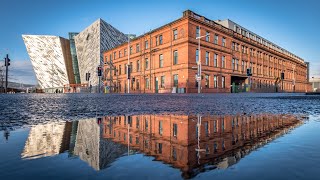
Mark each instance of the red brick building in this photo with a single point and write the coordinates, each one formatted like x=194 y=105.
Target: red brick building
x=191 y=142
x=164 y=60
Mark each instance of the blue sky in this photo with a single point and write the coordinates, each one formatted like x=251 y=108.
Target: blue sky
x=291 y=24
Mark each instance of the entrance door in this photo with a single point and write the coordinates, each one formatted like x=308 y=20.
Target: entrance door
x=156 y=86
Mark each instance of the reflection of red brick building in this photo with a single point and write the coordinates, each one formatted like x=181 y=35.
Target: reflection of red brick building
x=174 y=139
x=165 y=58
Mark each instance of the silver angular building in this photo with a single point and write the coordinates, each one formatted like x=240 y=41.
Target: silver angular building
x=90 y=45
x=51 y=60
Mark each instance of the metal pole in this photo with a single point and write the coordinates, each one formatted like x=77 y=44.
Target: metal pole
x=199 y=63
x=7 y=59
x=99 y=84
x=128 y=78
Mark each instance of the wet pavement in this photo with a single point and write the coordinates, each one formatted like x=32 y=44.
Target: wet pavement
x=219 y=136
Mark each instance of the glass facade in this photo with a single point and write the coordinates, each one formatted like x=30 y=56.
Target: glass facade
x=74 y=57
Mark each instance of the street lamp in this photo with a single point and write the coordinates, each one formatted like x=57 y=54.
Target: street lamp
x=199 y=61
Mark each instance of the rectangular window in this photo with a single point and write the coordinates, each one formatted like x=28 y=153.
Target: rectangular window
x=207 y=81
x=138 y=84
x=198 y=31
x=216 y=38
x=162 y=81
x=237 y=64
x=119 y=69
x=207 y=58
x=207 y=36
x=175 y=80
x=114 y=55
x=125 y=69
x=214 y=126
x=160 y=60
x=146 y=45
x=215 y=79
x=147 y=85
x=125 y=52
x=160 y=128
x=119 y=54
x=160 y=39
x=223 y=83
x=175 y=34
x=146 y=124
x=223 y=63
x=215 y=60
x=138 y=48
x=206 y=127
x=146 y=64
x=224 y=42
x=130 y=49
x=175 y=129
x=160 y=148
x=233 y=65
x=233 y=46
x=242 y=66
x=137 y=122
x=175 y=57
x=138 y=65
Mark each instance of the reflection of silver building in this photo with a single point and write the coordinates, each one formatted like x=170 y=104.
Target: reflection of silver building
x=47 y=140
x=90 y=45
x=92 y=148
x=51 y=60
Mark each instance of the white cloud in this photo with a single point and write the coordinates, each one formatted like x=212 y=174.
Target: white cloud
x=21 y=71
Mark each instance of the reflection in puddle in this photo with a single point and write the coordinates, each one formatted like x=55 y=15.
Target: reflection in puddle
x=193 y=144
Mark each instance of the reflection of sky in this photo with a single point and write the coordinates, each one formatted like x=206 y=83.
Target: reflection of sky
x=283 y=158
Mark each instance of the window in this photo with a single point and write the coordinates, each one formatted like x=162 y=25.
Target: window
x=175 y=57
x=175 y=129
x=206 y=127
x=160 y=148
x=160 y=39
x=233 y=46
x=160 y=128
x=197 y=56
x=215 y=79
x=138 y=48
x=138 y=65
x=198 y=31
x=119 y=54
x=223 y=63
x=114 y=55
x=147 y=83
x=207 y=36
x=215 y=129
x=137 y=122
x=216 y=39
x=160 y=60
x=119 y=69
x=242 y=66
x=130 y=49
x=224 y=42
x=223 y=83
x=125 y=52
x=156 y=40
x=138 y=84
x=233 y=65
x=237 y=64
x=207 y=81
x=174 y=153
x=125 y=69
x=146 y=124
x=175 y=80
x=162 y=81
x=215 y=60
x=146 y=64
x=175 y=34
x=146 y=45
x=207 y=58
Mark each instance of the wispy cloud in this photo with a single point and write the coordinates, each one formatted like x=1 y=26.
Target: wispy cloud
x=21 y=71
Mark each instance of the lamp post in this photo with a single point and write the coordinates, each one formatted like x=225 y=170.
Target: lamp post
x=199 y=61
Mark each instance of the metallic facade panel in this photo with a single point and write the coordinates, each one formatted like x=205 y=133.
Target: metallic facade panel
x=51 y=59
x=90 y=45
